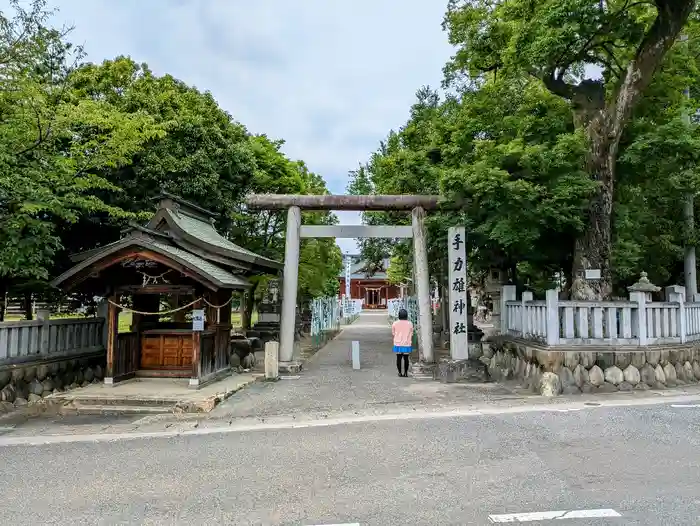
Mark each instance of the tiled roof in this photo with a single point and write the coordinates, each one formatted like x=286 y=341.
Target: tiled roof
x=206 y=233
x=205 y=267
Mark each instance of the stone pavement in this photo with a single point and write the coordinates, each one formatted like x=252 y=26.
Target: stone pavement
x=328 y=382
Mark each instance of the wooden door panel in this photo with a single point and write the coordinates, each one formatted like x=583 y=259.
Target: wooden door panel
x=166 y=351
x=172 y=346
x=151 y=352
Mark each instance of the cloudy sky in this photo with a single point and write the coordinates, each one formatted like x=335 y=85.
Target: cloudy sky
x=330 y=77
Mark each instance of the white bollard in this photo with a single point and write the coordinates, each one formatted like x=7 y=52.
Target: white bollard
x=272 y=360
x=355 y=355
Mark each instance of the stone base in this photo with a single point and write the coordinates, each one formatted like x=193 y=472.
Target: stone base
x=470 y=370
x=286 y=368
x=473 y=351
x=553 y=371
x=474 y=334
x=423 y=370
x=30 y=382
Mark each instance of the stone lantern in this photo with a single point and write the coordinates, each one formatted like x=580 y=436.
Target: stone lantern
x=645 y=286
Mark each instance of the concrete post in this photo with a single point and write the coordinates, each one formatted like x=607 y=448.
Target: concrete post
x=508 y=293
x=44 y=316
x=524 y=318
x=271 y=360
x=356 y=355
x=641 y=325
x=289 y=285
x=552 y=314
x=676 y=294
x=422 y=284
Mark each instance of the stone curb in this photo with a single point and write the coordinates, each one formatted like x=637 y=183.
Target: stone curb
x=209 y=403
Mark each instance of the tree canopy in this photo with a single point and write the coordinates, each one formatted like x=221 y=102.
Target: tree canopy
x=84 y=148
x=519 y=139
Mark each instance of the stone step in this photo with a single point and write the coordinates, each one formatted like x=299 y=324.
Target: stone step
x=86 y=401
x=423 y=377
x=98 y=409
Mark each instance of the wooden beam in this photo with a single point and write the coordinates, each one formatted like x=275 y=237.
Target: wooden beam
x=359 y=203
x=357 y=231
x=156 y=289
x=112 y=332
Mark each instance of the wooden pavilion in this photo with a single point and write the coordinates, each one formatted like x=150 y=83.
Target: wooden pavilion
x=180 y=260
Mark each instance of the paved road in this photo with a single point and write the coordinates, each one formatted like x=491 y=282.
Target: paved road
x=641 y=462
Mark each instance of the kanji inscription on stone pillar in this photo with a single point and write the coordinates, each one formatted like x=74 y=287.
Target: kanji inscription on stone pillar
x=457 y=254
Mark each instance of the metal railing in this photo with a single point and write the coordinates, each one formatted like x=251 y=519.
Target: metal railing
x=325 y=320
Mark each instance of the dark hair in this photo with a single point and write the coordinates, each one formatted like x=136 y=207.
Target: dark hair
x=403 y=314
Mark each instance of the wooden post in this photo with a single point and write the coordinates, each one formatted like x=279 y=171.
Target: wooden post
x=222 y=327
x=422 y=282
x=112 y=335
x=196 y=354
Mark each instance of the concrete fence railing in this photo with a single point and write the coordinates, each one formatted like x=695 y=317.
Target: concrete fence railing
x=22 y=341
x=638 y=321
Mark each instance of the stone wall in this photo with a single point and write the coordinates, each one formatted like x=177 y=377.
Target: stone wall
x=31 y=382
x=550 y=372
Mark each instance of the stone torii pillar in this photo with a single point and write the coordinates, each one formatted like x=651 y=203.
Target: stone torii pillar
x=422 y=283
x=294 y=204
x=290 y=280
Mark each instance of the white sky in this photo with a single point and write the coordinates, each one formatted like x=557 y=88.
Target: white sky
x=330 y=77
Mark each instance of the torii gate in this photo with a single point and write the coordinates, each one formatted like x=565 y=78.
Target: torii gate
x=416 y=204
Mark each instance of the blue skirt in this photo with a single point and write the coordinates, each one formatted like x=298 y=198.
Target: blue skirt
x=399 y=349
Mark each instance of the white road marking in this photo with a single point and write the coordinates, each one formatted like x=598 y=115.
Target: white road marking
x=285 y=423
x=290 y=377
x=553 y=515
x=685 y=405
x=344 y=524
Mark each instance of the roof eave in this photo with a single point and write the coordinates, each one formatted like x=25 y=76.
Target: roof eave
x=202 y=276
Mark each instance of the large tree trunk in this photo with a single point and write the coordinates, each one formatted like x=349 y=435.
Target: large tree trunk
x=603 y=119
x=592 y=250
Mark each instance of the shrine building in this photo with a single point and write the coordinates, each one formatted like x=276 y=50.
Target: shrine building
x=373 y=288
x=175 y=276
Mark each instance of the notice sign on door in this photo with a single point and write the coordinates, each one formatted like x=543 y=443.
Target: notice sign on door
x=198 y=320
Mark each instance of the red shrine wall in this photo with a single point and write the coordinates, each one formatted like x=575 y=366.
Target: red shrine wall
x=374 y=292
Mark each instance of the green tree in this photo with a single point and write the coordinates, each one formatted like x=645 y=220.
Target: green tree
x=555 y=41
x=51 y=146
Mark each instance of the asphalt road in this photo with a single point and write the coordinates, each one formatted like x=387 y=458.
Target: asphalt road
x=642 y=462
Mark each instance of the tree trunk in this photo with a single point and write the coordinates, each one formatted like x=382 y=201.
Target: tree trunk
x=245 y=319
x=593 y=248
x=247 y=308
x=3 y=299
x=28 y=310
